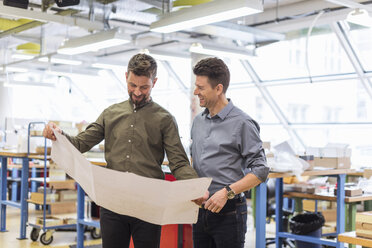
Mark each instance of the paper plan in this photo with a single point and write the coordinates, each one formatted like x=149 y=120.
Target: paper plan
x=153 y=200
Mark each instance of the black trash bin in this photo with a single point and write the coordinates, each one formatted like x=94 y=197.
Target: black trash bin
x=309 y=224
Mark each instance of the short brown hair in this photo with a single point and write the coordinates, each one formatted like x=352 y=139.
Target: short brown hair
x=143 y=65
x=216 y=71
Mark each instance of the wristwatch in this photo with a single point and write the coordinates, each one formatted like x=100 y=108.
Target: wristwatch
x=230 y=192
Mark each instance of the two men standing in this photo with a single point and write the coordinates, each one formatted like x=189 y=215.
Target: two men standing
x=225 y=142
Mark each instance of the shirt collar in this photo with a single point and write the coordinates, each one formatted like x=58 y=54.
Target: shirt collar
x=140 y=106
x=223 y=113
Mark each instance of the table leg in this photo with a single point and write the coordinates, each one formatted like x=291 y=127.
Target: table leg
x=14 y=194
x=261 y=199
x=3 y=181
x=350 y=216
x=24 y=196
x=80 y=217
x=298 y=205
x=367 y=206
x=340 y=206
x=279 y=210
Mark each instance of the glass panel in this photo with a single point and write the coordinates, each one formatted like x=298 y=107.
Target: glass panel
x=361 y=39
x=238 y=74
x=340 y=101
x=358 y=137
x=250 y=100
x=287 y=59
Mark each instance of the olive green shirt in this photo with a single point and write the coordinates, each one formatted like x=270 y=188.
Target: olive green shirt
x=135 y=140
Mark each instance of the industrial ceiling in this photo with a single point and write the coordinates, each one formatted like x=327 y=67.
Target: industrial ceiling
x=43 y=27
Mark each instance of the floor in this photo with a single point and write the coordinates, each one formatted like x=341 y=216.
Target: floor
x=68 y=239
x=60 y=239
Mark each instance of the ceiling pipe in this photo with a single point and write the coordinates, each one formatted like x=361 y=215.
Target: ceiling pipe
x=44 y=17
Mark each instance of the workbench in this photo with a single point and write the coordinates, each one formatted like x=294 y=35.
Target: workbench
x=22 y=205
x=260 y=209
x=351 y=238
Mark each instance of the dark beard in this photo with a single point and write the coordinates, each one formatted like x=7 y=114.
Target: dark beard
x=140 y=103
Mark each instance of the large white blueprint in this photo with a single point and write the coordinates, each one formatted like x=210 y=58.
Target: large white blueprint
x=153 y=200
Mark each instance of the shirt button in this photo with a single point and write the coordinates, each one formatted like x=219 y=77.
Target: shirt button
x=129 y=141
x=127 y=156
x=131 y=125
x=135 y=111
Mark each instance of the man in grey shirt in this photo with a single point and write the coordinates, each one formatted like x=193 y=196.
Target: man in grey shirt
x=225 y=144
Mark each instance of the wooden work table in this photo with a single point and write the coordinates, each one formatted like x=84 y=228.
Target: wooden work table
x=313 y=173
x=323 y=197
x=351 y=238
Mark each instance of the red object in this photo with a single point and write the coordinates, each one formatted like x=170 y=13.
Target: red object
x=169 y=233
x=169 y=236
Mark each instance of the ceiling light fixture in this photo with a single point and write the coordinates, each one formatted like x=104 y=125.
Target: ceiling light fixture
x=360 y=17
x=15 y=69
x=61 y=61
x=219 y=52
x=169 y=57
x=95 y=42
x=108 y=66
x=206 y=13
x=22 y=56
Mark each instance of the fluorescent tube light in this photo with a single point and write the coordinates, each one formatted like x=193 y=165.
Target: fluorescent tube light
x=219 y=52
x=94 y=42
x=206 y=13
x=22 y=56
x=360 y=17
x=15 y=69
x=169 y=57
x=61 y=61
x=108 y=66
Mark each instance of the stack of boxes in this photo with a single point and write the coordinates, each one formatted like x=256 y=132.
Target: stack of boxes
x=61 y=194
x=333 y=156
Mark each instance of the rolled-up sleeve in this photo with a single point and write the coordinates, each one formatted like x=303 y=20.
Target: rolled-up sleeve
x=250 y=146
x=93 y=134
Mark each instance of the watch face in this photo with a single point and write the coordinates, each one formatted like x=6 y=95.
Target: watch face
x=230 y=195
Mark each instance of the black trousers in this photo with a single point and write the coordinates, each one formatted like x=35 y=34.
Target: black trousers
x=117 y=230
x=225 y=229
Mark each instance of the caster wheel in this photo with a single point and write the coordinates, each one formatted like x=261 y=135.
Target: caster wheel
x=45 y=240
x=34 y=234
x=95 y=233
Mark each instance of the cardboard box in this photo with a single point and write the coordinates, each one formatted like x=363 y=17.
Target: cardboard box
x=67 y=184
x=67 y=195
x=41 y=149
x=332 y=163
x=367 y=173
x=363 y=224
x=309 y=205
x=49 y=221
x=63 y=207
x=57 y=174
x=330 y=151
x=349 y=192
x=39 y=197
x=329 y=214
x=68 y=221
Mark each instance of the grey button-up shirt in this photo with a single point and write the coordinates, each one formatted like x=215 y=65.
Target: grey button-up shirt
x=226 y=146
